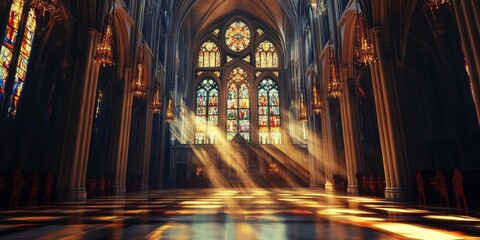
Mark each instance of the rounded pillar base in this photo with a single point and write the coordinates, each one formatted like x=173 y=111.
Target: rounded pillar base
x=329 y=187
x=120 y=190
x=398 y=194
x=72 y=195
x=352 y=189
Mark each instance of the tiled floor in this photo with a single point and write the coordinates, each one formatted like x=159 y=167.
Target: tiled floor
x=236 y=214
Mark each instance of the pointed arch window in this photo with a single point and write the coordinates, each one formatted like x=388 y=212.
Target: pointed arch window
x=209 y=55
x=238 y=105
x=268 y=112
x=206 y=121
x=266 y=55
x=11 y=47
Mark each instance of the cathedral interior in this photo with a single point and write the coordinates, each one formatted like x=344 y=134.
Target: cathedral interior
x=239 y=119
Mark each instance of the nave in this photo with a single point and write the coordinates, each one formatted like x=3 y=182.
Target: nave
x=237 y=214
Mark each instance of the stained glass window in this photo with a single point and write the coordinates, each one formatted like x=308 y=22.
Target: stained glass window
x=206 y=112
x=266 y=55
x=237 y=36
x=268 y=112
x=21 y=72
x=238 y=105
x=9 y=40
x=209 y=55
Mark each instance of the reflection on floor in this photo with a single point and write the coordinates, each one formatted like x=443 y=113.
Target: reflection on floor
x=237 y=214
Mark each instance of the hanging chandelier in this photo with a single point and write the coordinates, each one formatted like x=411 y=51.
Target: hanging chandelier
x=335 y=89
x=364 y=46
x=316 y=104
x=138 y=84
x=105 y=47
x=170 y=115
x=157 y=101
x=435 y=4
x=303 y=111
x=44 y=6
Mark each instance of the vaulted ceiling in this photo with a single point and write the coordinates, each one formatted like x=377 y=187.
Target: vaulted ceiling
x=274 y=13
x=205 y=12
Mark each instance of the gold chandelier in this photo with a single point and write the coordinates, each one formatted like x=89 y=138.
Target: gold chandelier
x=364 y=47
x=316 y=104
x=335 y=88
x=138 y=83
x=44 y=6
x=170 y=115
x=303 y=111
x=157 y=101
x=435 y=4
x=105 y=47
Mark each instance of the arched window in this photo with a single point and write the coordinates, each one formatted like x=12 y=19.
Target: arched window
x=244 y=44
x=268 y=112
x=10 y=47
x=266 y=55
x=206 y=112
x=238 y=105
x=209 y=55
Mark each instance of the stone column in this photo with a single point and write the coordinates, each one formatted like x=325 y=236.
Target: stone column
x=73 y=169
x=351 y=133
x=315 y=152
x=468 y=20
x=120 y=132
x=146 y=142
x=124 y=138
x=328 y=145
x=392 y=140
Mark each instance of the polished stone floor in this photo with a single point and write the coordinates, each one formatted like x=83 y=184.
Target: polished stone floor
x=237 y=214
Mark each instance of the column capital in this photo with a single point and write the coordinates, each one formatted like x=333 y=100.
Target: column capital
x=376 y=30
x=92 y=31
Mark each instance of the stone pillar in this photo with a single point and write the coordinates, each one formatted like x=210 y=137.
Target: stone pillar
x=120 y=132
x=329 y=146
x=146 y=142
x=315 y=152
x=124 y=136
x=392 y=140
x=468 y=20
x=351 y=133
x=73 y=169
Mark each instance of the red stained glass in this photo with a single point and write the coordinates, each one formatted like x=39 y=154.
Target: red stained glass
x=14 y=17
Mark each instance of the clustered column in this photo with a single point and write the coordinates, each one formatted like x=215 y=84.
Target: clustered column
x=468 y=20
x=121 y=133
x=392 y=141
x=351 y=136
x=329 y=146
x=71 y=181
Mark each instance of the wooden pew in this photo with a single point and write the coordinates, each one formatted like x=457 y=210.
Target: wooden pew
x=17 y=184
x=440 y=185
x=457 y=181
x=34 y=189
x=47 y=194
x=421 y=189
